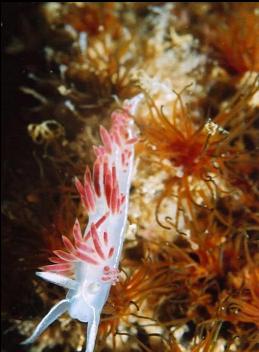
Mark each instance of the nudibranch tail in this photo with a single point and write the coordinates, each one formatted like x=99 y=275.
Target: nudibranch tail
x=88 y=265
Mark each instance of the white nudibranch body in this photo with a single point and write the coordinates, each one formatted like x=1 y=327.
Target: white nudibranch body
x=89 y=266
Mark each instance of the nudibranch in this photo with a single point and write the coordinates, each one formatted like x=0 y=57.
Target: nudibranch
x=89 y=266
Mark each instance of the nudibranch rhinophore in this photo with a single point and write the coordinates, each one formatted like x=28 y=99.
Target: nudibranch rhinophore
x=89 y=266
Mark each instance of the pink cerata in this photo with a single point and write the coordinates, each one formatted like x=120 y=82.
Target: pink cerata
x=89 y=266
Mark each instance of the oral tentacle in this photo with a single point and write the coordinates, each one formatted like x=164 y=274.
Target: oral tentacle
x=55 y=312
